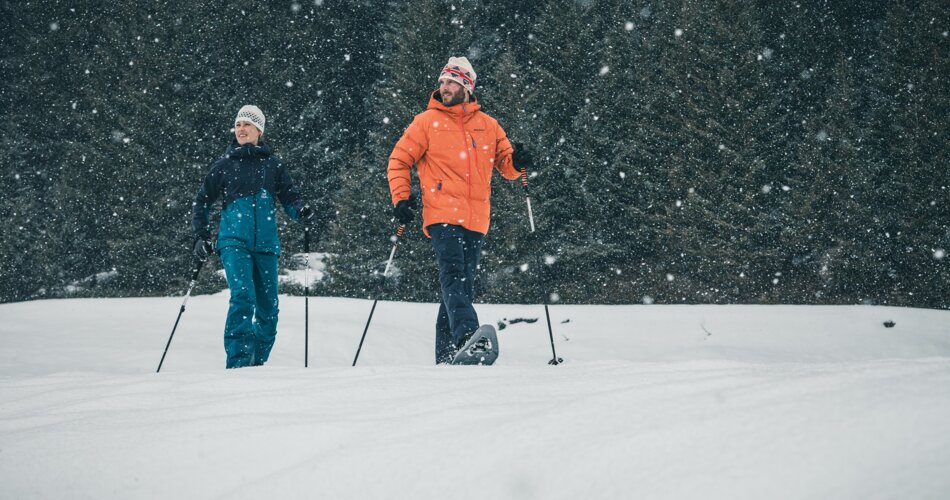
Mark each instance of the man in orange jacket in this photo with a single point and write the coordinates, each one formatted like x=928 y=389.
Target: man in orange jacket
x=455 y=147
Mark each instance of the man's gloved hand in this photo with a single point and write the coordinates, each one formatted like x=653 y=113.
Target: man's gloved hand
x=306 y=213
x=403 y=211
x=522 y=158
x=203 y=248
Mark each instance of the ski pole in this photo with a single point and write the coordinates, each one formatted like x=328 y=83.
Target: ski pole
x=306 y=296
x=527 y=196
x=194 y=278
x=544 y=294
x=392 y=253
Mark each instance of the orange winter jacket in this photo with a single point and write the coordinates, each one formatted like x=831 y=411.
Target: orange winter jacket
x=454 y=149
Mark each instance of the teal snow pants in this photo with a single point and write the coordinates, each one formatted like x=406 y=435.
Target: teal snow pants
x=251 y=326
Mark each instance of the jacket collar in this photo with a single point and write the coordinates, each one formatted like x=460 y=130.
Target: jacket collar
x=465 y=109
x=237 y=151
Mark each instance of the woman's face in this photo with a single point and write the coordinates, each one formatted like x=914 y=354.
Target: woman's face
x=245 y=133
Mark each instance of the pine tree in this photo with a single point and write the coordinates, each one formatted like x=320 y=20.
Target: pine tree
x=911 y=179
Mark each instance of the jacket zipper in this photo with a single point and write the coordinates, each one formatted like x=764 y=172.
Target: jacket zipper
x=468 y=156
x=254 y=203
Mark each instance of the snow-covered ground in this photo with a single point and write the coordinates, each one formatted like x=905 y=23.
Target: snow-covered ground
x=660 y=402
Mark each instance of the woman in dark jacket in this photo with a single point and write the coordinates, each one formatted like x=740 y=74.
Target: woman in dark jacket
x=247 y=180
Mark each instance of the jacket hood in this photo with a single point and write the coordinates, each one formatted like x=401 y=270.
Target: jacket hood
x=465 y=108
x=237 y=151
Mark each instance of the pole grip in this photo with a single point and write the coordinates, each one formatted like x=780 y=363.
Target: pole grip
x=392 y=253
x=198 y=264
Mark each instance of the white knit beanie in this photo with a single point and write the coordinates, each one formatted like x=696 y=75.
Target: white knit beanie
x=253 y=115
x=459 y=70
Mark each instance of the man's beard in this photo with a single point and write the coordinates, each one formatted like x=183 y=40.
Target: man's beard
x=453 y=99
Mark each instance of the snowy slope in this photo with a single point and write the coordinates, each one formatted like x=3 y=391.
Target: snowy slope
x=651 y=402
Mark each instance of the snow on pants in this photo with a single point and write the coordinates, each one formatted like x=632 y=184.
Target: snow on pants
x=457 y=251
x=251 y=325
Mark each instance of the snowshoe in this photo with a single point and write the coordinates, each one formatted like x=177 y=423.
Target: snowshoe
x=480 y=349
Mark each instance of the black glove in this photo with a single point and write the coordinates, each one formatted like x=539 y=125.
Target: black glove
x=522 y=158
x=203 y=248
x=306 y=213
x=403 y=211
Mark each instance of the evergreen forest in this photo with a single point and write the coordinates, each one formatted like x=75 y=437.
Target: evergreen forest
x=688 y=151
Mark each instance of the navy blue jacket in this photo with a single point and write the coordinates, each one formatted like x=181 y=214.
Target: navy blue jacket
x=246 y=180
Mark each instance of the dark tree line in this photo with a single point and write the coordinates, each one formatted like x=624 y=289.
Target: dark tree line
x=687 y=151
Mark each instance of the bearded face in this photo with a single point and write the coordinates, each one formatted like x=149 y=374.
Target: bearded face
x=452 y=93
